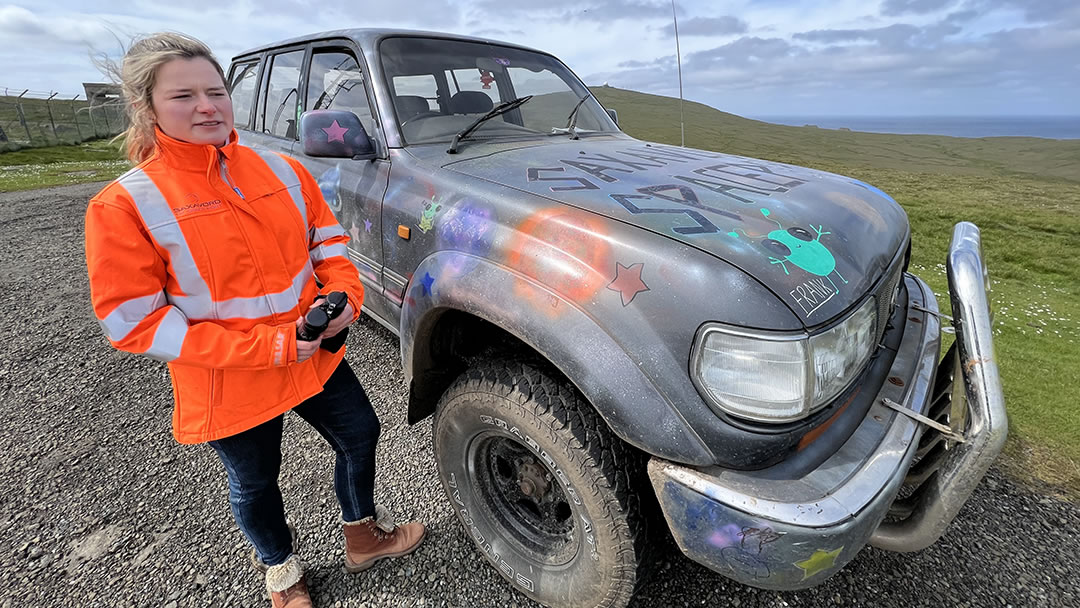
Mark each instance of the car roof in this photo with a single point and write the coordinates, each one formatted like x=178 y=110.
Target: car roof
x=369 y=38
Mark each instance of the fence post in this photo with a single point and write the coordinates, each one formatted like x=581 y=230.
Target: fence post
x=75 y=117
x=93 y=125
x=22 y=117
x=48 y=105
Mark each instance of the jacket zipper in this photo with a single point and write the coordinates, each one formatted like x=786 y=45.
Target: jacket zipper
x=226 y=177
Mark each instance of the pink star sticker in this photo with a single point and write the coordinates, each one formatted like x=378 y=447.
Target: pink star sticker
x=335 y=132
x=354 y=231
x=628 y=282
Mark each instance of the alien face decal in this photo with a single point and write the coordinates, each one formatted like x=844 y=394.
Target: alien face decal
x=800 y=248
x=427 y=217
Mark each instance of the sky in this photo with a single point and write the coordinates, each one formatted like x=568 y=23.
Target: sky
x=754 y=58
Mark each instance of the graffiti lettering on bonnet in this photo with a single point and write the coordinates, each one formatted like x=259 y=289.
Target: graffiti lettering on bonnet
x=738 y=180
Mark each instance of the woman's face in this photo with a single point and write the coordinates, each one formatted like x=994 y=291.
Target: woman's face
x=191 y=103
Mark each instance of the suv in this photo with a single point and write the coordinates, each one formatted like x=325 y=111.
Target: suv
x=616 y=336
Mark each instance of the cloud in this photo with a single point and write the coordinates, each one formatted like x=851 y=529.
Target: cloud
x=900 y=68
x=574 y=10
x=1059 y=11
x=918 y=7
x=18 y=24
x=741 y=52
x=892 y=36
x=707 y=26
x=18 y=20
x=497 y=33
x=962 y=16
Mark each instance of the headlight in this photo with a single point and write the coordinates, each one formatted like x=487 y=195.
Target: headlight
x=772 y=377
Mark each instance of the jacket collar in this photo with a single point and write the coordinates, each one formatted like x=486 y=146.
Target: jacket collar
x=192 y=157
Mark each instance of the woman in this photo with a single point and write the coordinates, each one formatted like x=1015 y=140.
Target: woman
x=205 y=255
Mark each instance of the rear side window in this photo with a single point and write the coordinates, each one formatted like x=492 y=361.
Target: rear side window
x=242 y=83
x=281 y=111
x=336 y=83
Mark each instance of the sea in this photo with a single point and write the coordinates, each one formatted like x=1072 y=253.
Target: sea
x=1050 y=127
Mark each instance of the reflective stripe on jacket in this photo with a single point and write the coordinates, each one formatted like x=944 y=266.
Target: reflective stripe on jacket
x=204 y=257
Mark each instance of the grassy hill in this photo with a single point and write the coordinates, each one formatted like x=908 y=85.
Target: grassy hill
x=1023 y=193
x=656 y=118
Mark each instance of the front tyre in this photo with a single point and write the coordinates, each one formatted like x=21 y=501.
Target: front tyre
x=542 y=486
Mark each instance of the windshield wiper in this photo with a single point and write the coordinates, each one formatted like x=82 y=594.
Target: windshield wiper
x=571 y=121
x=502 y=108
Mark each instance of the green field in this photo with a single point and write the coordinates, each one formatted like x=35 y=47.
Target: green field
x=92 y=161
x=1024 y=193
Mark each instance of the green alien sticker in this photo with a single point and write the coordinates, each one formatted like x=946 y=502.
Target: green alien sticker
x=427 y=216
x=798 y=247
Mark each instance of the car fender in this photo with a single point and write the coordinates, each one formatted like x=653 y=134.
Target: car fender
x=564 y=334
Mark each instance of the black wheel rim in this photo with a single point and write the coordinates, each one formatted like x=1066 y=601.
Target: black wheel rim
x=524 y=498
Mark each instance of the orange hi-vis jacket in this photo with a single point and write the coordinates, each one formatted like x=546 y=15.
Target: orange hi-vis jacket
x=204 y=257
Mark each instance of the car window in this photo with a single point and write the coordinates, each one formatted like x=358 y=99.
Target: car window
x=242 y=84
x=422 y=86
x=553 y=100
x=442 y=86
x=335 y=82
x=281 y=110
x=473 y=80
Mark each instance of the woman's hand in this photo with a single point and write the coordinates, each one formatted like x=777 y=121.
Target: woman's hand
x=305 y=348
x=339 y=322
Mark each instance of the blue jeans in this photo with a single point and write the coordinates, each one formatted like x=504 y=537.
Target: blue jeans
x=342 y=414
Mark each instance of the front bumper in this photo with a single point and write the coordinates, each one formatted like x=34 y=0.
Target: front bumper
x=774 y=530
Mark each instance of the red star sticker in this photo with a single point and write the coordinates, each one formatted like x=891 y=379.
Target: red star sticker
x=335 y=132
x=628 y=282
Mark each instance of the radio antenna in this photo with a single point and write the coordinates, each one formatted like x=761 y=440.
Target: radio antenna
x=678 y=59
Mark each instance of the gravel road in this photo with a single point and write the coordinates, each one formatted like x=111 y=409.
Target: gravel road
x=100 y=507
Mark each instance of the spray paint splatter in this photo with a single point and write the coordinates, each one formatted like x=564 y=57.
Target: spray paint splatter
x=329 y=184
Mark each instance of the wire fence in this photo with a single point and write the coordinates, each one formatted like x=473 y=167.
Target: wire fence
x=38 y=118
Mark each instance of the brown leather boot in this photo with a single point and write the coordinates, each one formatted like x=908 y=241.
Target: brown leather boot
x=374 y=538
x=287 y=586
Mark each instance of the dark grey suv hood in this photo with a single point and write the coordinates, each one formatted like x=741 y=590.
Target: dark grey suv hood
x=816 y=239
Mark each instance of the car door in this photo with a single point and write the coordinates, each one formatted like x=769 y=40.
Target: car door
x=335 y=79
x=270 y=119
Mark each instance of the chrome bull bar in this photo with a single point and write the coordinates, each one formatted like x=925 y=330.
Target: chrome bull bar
x=978 y=406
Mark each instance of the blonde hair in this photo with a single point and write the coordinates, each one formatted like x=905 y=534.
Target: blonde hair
x=138 y=75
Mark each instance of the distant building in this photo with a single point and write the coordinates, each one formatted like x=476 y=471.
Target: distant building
x=102 y=93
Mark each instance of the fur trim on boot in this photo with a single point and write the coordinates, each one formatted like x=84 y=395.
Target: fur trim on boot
x=284 y=575
x=261 y=567
x=383 y=520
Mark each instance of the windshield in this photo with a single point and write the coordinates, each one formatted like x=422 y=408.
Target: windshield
x=440 y=87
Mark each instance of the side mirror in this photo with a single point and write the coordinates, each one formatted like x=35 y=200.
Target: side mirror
x=335 y=134
x=614 y=115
